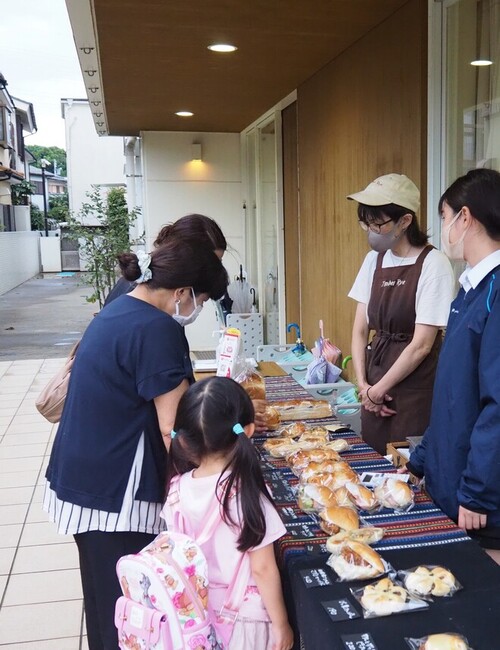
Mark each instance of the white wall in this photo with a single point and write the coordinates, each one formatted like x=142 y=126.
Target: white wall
x=19 y=258
x=174 y=186
x=91 y=160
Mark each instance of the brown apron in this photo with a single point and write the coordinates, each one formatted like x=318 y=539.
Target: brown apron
x=391 y=314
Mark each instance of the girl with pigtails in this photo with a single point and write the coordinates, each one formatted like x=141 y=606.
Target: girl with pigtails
x=211 y=455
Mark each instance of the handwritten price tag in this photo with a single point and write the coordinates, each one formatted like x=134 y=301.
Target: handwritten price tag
x=340 y=610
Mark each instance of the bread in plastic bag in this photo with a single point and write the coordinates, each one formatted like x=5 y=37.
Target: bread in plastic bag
x=447 y=641
x=357 y=561
x=386 y=597
x=253 y=382
x=426 y=581
x=394 y=494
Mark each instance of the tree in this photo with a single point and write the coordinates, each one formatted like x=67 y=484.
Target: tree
x=59 y=207
x=37 y=218
x=21 y=192
x=50 y=154
x=101 y=244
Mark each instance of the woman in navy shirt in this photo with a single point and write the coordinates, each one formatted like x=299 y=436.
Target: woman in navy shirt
x=106 y=475
x=460 y=452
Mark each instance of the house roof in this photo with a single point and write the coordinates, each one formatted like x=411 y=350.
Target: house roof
x=26 y=114
x=143 y=61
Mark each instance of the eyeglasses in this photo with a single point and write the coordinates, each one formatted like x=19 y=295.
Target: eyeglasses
x=374 y=227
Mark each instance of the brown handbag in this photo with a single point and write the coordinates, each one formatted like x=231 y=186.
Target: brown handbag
x=50 y=402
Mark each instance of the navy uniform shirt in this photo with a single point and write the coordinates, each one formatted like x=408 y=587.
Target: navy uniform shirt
x=131 y=353
x=460 y=452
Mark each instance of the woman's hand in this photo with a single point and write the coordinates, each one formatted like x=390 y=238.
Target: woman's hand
x=375 y=402
x=469 y=520
x=282 y=636
x=259 y=406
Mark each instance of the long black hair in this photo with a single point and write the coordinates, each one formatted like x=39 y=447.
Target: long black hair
x=206 y=415
x=374 y=213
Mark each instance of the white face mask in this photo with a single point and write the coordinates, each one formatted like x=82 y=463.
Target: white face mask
x=454 y=251
x=187 y=320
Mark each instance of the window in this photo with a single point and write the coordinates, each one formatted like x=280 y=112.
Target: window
x=5 y=127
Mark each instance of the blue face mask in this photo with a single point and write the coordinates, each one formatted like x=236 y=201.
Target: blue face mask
x=187 y=320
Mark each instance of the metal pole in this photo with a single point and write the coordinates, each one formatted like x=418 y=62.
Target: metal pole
x=45 y=202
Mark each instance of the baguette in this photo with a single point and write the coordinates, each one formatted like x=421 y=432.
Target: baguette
x=303 y=409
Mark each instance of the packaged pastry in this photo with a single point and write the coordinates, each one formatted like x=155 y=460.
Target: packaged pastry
x=313 y=498
x=367 y=535
x=342 y=495
x=311 y=436
x=300 y=458
x=294 y=430
x=386 y=597
x=395 y=494
x=271 y=418
x=253 y=382
x=357 y=561
x=343 y=474
x=339 y=445
x=336 y=518
x=303 y=409
x=314 y=467
x=361 y=496
x=449 y=641
x=426 y=581
x=286 y=447
x=320 y=478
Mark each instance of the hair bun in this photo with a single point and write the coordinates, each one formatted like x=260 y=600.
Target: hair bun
x=129 y=266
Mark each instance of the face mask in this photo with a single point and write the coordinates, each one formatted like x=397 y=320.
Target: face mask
x=187 y=320
x=454 y=251
x=382 y=242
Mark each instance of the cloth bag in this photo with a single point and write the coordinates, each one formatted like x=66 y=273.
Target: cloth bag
x=50 y=402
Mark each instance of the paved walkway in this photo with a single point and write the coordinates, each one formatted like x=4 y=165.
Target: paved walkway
x=41 y=605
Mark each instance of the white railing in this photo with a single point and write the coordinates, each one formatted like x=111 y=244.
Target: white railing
x=19 y=258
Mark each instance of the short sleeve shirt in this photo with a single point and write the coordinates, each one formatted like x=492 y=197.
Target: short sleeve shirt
x=131 y=353
x=435 y=288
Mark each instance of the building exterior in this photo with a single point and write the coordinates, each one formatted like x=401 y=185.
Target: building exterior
x=311 y=107
x=19 y=247
x=55 y=184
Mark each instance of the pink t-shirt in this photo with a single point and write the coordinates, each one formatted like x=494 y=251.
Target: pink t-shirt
x=221 y=551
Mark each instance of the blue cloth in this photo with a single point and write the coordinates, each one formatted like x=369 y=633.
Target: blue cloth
x=131 y=353
x=460 y=452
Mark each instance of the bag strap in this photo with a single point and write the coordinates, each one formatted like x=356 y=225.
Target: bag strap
x=236 y=589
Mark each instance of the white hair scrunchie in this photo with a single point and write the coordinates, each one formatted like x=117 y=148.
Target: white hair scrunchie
x=144 y=262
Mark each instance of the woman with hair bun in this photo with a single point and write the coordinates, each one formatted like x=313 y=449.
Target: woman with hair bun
x=107 y=471
x=460 y=451
x=196 y=227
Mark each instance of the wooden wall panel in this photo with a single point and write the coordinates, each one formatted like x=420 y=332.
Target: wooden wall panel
x=291 y=216
x=358 y=118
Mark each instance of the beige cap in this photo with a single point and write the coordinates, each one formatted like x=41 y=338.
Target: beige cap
x=391 y=188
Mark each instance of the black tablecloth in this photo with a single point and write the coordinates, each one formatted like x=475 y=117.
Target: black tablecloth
x=473 y=611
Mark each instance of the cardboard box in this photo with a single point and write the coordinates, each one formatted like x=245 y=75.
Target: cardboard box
x=400 y=452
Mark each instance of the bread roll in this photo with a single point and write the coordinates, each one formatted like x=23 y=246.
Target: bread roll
x=342 y=495
x=312 y=498
x=356 y=561
x=283 y=450
x=337 y=518
x=253 y=382
x=367 y=535
x=311 y=436
x=444 y=642
x=299 y=460
x=427 y=581
x=303 y=409
x=338 y=445
x=294 y=430
x=393 y=493
x=361 y=496
x=319 y=478
x=271 y=418
x=384 y=597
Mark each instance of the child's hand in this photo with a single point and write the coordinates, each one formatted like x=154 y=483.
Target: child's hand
x=282 y=637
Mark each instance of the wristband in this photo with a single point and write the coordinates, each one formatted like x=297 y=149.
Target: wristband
x=375 y=403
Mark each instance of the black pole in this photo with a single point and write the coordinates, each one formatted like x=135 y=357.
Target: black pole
x=45 y=202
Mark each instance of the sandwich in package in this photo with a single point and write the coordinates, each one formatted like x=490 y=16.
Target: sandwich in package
x=448 y=641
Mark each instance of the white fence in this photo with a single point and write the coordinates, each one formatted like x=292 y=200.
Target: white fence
x=19 y=258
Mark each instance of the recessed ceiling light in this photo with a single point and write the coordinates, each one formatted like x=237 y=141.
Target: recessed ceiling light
x=481 y=62
x=222 y=47
x=184 y=114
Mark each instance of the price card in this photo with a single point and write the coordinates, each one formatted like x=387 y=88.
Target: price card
x=340 y=610
x=315 y=578
x=372 y=479
x=363 y=641
x=303 y=530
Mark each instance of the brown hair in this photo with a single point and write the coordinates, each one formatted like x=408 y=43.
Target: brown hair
x=194 y=226
x=179 y=263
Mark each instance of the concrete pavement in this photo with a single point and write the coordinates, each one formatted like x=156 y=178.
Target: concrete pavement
x=44 y=317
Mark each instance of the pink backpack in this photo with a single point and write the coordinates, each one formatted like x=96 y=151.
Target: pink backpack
x=165 y=603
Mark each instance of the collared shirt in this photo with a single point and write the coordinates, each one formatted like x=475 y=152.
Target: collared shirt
x=472 y=276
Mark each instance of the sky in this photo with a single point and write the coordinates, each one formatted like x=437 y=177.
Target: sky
x=42 y=66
